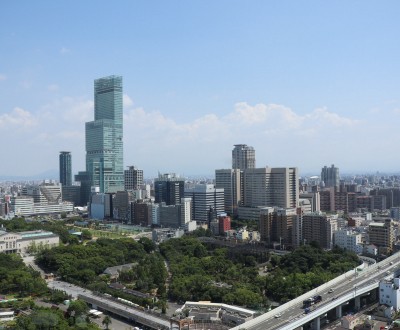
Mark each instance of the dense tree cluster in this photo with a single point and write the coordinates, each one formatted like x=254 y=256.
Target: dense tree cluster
x=83 y=263
x=46 y=318
x=198 y=274
x=304 y=269
x=16 y=278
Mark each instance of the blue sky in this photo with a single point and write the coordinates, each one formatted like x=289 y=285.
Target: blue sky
x=307 y=83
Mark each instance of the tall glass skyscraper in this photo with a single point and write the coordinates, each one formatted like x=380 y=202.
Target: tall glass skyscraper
x=104 y=135
x=65 y=168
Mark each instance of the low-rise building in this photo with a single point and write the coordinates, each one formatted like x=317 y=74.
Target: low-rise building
x=349 y=240
x=208 y=311
x=389 y=292
x=115 y=271
x=22 y=242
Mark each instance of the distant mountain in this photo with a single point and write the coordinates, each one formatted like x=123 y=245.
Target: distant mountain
x=46 y=175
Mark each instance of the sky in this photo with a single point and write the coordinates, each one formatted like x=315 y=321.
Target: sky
x=306 y=83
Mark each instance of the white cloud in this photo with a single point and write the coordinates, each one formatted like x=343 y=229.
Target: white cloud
x=127 y=101
x=2 y=77
x=244 y=116
x=70 y=110
x=53 y=87
x=323 y=116
x=204 y=142
x=155 y=141
x=26 y=84
x=64 y=50
x=17 y=118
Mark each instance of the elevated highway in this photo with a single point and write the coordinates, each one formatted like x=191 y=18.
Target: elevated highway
x=349 y=287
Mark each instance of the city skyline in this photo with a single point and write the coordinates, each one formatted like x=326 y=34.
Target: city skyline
x=306 y=85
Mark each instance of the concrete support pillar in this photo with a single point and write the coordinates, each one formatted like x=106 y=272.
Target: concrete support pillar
x=357 y=303
x=317 y=324
x=339 y=312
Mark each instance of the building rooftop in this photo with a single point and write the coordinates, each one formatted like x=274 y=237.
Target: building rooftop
x=377 y=224
x=35 y=233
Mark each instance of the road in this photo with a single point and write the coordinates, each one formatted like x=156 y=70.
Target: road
x=110 y=304
x=294 y=311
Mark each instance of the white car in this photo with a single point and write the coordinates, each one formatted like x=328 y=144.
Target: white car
x=278 y=315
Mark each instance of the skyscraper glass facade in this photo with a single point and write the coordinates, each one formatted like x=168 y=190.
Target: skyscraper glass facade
x=65 y=168
x=104 y=136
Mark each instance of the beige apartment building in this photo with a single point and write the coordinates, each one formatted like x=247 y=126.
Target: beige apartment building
x=381 y=234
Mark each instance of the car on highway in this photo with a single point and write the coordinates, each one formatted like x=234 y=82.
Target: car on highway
x=278 y=315
x=331 y=290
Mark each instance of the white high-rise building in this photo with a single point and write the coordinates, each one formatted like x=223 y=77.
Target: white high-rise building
x=271 y=187
x=204 y=197
x=243 y=157
x=186 y=211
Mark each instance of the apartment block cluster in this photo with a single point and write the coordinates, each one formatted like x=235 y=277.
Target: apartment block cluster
x=291 y=211
x=362 y=228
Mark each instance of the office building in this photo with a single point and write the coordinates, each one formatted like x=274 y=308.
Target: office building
x=395 y=213
x=243 y=157
x=121 y=205
x=104 y=137
x=22 y=205
x=205 y=197
x=171 y=215
x=271 y=187
x=83 y=178
x=144 y=212
x=169 y=188
x=101 y=206
x=65 y=168
x=231 y=181
x=133 y=178
x=330 y=177
x=71 y=194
